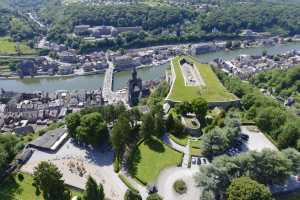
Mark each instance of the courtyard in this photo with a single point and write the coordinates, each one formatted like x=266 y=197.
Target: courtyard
x=76 y=163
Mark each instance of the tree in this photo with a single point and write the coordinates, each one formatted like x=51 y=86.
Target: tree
x=200 y=107
x=93 y=191
x=132 y=195
x=119 y=134
x=159 y=122
x=170 y=123
x=264 y=53
x=228 y=44
x=244 y=188
x=48 y=179
x=154 y=196
x=214 y=142
x=8 y=149
x=294 y=156
x=147 y=128
x=92 y=129
x=232 y=127
x=269 y=167
x=270 y=118
x=183 y=108
x=287 y=138
x=72 y=121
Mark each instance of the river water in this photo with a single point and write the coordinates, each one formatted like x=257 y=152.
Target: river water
x=121 y=78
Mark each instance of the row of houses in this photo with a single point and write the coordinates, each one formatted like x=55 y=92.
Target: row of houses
x=43 y=108
x=103 y=31
x=246 y=66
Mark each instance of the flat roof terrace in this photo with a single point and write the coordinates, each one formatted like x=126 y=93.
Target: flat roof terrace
x=50 y=140
x=205 y=82
x=190 y=73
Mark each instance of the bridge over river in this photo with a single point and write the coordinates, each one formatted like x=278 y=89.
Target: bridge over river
x=110 y=96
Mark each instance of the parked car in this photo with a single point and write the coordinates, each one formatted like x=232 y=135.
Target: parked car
x=194 y=160
x=204 y=161
x=199 y=161
x=245 y=137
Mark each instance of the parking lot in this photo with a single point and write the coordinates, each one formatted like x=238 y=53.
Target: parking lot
x=257 y=140
x=197 y=161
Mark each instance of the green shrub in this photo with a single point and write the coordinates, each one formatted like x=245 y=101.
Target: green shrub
x=131 y=195
x=154 y=196
x=117 y=165
x=20 y=177
x=180 y=187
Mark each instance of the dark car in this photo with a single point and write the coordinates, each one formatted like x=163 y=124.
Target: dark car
x=245 y=137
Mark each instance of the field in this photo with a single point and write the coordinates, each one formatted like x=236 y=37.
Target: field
x=14 y=189
x=213 y=91
x=150 y=158
x=8 y=47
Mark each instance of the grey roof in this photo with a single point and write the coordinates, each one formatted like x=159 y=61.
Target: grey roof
x=25 y=155
x=48 y=139
x=24 y=130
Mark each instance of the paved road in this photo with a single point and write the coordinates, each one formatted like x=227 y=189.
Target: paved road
x=168 y=177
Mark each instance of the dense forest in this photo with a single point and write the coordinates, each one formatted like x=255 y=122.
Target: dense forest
x=162 y=23
x=276 y=18
x=165 y=24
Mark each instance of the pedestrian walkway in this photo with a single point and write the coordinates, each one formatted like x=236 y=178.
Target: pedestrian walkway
x=183 y=149
x=186 y=157
x=142 y=189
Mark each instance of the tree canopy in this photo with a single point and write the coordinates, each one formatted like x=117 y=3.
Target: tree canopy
x=92 y=190
x=244 y=188
x=48 y=179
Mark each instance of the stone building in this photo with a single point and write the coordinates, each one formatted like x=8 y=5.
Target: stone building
x=135 y=87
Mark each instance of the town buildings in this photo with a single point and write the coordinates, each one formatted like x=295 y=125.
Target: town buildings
x=22 y=110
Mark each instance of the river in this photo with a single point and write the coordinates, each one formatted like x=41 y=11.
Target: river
x=121 y=78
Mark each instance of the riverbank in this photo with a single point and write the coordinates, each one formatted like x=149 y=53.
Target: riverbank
x=54 y=76
x=91 y=82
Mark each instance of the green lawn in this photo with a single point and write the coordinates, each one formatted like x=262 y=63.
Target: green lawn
x=195 y=147
x=213 y=90
x=152 y=157
x=13 y=189
x=7 y=46
x=180 y=140
x=195 y=143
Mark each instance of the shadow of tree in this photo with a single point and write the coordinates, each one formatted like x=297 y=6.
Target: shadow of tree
x=155 y=145
x=133 y=161
x=9 y=187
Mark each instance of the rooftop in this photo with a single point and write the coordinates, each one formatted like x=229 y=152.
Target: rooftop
x=50 y=140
